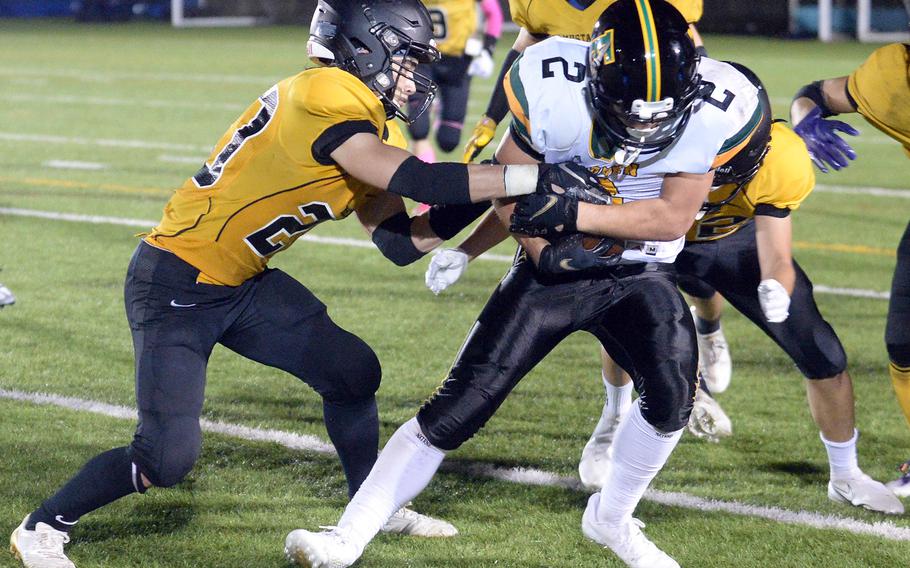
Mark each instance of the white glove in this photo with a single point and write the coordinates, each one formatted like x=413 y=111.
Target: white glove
x=774 y=300
x=482 y=65
x=446 y=267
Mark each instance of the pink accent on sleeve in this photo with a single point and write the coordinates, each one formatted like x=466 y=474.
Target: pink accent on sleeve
x=493 y=16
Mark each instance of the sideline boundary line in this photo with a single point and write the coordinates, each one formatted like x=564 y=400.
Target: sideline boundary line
x=357 y=243
x=536 y=477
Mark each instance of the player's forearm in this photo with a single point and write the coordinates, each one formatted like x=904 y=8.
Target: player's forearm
x=487 y=234
x=646 y=220
x=532 y=245
x=829 y=95
x=774 y=241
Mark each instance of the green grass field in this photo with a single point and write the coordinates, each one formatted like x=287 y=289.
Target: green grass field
x=148 y=101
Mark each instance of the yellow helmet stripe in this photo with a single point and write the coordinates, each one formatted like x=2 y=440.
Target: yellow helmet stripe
x=652 y=53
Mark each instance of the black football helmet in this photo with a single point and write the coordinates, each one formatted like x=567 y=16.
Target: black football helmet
x=743 y=166
x=643 y=75
x=363 y=36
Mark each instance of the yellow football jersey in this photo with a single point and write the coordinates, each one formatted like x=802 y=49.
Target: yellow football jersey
x=881 y=89
x=569 y=18
x=454 y=21
x=270 y=178
x=784 y=180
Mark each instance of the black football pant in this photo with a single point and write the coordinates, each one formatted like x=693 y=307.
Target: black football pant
x=897 y=330
x=730 y=266
x=450 y=74
x=271 y=318
x=635 y=311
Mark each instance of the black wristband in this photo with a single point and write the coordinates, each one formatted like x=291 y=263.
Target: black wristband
x=813 y=92
x=449 y=220
x=702 y=50
x=444 y=183
x=393 y=239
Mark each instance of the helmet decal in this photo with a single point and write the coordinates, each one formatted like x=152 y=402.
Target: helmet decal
x=602 y=52
x=652 y=53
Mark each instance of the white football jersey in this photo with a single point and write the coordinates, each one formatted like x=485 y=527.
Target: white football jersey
x=546 y=91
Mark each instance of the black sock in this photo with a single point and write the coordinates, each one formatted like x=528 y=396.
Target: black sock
x=354 y=431
x=103 y=479
x=704 y=327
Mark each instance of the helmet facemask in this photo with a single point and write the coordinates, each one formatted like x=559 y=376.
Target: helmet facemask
x=642 y=126
x=404 y=56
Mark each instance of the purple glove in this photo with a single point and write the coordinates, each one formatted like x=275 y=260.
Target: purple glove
x=825 y=147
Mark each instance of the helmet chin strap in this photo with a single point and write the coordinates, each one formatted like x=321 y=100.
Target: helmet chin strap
x=625 y=156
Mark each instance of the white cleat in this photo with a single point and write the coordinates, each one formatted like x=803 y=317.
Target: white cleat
x=6 y=297
x=625 y=540
x=900 y=486
x=714 y=359
x=708 y=420
x=411 y=523
x=326 y=549
x=863 y=491
x=40 y=548
x=594 y=466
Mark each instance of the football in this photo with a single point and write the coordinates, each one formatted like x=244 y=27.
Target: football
x=606 y=246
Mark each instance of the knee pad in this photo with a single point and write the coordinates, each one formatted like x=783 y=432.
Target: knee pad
x=356 y=375
x=458 y=409
x=448 y=136
x=166 y=457
x=826 y=360
x=667 y=397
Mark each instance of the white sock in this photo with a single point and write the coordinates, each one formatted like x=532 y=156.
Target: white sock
x=842 y=457
x=619 y=399
x=404 y=468
x=639 y=453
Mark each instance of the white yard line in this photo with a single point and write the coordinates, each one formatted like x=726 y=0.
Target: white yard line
x=881 y=529
x=357 y=243
x=74 y=165
x=106 y=142
x=115 y=102
x=96 y=76
x=861 y=190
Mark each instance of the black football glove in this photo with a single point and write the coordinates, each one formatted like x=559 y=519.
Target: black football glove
x=569 y=254
x=553 y=209
x=571 y=179
x=537 y=215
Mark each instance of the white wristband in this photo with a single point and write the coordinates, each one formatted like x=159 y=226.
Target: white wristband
x=520 y=179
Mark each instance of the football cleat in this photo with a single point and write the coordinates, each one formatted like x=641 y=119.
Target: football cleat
x=327 y=549
x=714 y=359
x=625 y=540
x=594 y=467
x=708 y=420
x=900 y=486
x=865 y=492
x=40 y=548
x=6 y=297
x=411 y=523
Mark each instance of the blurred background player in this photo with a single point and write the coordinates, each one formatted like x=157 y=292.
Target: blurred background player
x=879 y=90
x=463 y=56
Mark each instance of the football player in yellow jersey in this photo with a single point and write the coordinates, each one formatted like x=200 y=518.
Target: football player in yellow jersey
x=463 y=56
x=540 y=19
x=878 y=90
x=309 y=150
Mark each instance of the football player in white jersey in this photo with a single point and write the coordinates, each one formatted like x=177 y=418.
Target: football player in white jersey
x=656 y=135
